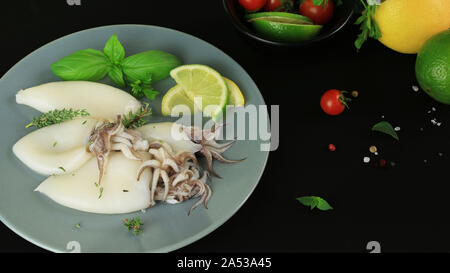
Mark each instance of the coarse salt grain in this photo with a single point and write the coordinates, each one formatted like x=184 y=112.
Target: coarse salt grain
x=415 y=88
x=397 y=129
x=366 y=159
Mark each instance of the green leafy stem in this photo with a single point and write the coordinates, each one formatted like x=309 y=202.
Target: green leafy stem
x=368 y=26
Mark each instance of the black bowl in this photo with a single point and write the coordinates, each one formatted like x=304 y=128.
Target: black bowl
x=342 y=15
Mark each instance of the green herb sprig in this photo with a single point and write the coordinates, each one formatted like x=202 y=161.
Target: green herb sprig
x=56 y=116
x=368 y=26
x=137 y=71
x=315 y=202
x=140 y=89
x=134 y=120
x=134 y=224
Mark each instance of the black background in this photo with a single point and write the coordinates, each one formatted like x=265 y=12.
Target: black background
x=404 y=207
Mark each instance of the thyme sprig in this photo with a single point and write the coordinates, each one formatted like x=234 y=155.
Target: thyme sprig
x=134 y=120
x=56 y=116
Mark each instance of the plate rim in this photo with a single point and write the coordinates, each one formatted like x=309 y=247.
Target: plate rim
x=182 y=243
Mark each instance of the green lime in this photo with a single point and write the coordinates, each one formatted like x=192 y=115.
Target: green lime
x=283 y=20
x=279 y=16
x=285 y=32
x=176 y=96
x=203 y=85
x=433 y=67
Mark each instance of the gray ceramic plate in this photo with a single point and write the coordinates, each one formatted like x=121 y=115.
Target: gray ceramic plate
x=167 y=227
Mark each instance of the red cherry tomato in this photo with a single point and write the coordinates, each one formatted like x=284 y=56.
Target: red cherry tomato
x=275 y=5
x=332 y=102
x=331 y=147
x=252 y=5
x=319 y=14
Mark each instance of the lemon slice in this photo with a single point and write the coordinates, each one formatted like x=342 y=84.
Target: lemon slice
x=176 y=97
x=236 y=98
x=203 y=85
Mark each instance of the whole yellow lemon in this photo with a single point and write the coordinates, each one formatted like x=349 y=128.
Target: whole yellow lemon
x=405 y=25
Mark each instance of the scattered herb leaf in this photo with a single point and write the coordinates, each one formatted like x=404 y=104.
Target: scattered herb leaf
x=84 y=122
x=314 y=201
x=385 y=127
x=125 y=190
x=61 y=168
x=55 y=143
x=56 y=116
x=101 y=193
x=78 y=225
x=134 y=224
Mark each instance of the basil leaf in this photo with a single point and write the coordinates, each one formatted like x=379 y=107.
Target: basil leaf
x=314 y=201
x=154 y=63
x=306 y=200
x=83 y=65
x=116 y=75
x=323 y=205
x=114 y=50
x=385 y=127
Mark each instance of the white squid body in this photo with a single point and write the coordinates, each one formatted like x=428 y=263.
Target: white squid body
x=56 y=148
x=101 y=101
x=121 y=192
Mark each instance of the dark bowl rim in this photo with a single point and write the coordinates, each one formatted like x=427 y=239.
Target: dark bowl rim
x=284 y=44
